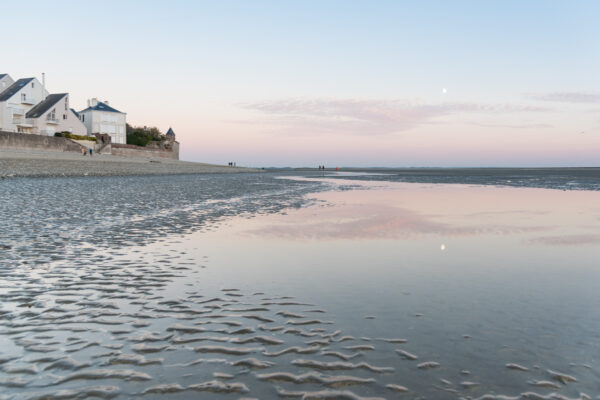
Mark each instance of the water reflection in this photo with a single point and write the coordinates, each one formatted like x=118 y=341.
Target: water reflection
x=410 y=211
x=501 y=311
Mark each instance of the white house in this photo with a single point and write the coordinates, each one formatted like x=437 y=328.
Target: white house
x=5 y=81
x=16 y=100
x=54 y=115
x=101 y=118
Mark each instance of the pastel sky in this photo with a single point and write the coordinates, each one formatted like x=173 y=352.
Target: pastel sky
x=348 y=83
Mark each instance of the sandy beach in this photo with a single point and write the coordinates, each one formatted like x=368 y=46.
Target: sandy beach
x=23 y=163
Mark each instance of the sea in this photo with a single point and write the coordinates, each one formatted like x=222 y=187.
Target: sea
x=361 y=284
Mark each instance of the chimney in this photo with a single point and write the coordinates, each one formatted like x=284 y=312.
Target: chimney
x=89 y=103
x=44 y=85
x=106 y=102
x=94 y=102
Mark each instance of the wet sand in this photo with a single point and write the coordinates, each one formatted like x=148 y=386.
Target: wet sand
x=121 y=297
x=17 y=163
x=549 y=178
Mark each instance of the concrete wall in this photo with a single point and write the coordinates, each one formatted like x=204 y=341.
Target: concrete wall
x=99 y=148
x=23 y=141
x=129 y=150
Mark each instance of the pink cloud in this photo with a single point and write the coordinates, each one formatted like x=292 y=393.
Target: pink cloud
x=367 y=117
x=567 y=240
x=570 y=97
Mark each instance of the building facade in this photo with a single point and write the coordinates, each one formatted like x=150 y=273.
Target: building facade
x=54 y=115
x=5 y=81
x=101 y=118
x=16 y=100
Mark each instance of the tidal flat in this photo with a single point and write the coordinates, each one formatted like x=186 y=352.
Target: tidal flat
x=312 y=286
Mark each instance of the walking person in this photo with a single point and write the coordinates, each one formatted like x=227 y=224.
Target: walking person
x=91 y=152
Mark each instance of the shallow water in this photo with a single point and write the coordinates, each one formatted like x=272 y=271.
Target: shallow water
x=297 y=288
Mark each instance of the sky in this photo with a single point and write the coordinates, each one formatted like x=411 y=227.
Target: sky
x=327 y=82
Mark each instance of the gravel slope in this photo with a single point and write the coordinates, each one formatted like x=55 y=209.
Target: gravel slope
x=20 y=163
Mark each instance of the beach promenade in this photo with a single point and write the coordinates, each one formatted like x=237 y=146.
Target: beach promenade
x=21 y=163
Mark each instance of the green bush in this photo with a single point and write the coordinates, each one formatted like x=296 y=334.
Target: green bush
x=140 y=136
x=69 y=135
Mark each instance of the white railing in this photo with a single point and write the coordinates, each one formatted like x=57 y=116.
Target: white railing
x=18 y=111
x=28 y=101
x=51 y=121
x=26 y=122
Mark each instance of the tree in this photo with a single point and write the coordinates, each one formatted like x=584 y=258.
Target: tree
x=141 y=135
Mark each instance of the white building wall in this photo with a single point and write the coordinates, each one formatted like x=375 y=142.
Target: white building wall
x=14 y=109
x=59 y=118
x=5 y=82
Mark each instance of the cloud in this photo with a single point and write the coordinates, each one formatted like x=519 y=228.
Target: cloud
x=567 y=240
x=368 y=117
x=570 y=97
x=513 y=126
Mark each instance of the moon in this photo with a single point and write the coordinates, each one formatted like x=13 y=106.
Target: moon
x=444 y=90
x=443 y=247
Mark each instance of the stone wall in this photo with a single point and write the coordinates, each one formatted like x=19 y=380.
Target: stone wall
x=129 y=150
x=25 y=141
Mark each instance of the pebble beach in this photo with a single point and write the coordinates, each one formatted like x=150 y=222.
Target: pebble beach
x=28 y=163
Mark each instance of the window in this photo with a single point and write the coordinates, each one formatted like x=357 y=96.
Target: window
x=110 y=118
x=32 y=85
x=82 y=117
x=23 y=97
x=64 y=116
x=52 y=115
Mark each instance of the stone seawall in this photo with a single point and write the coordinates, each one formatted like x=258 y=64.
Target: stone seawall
x=129 y=150
x=25 y=141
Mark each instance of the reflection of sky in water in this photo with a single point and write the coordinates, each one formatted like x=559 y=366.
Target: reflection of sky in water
x=519 y=273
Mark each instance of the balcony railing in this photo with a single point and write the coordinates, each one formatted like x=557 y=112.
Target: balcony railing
x=26 y=122
x=28 y=101
x=51 y=121
x=18 y=111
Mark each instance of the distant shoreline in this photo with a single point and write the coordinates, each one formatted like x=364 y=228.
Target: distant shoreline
x=30 y=163
x=432 y=170
x=566 y=178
